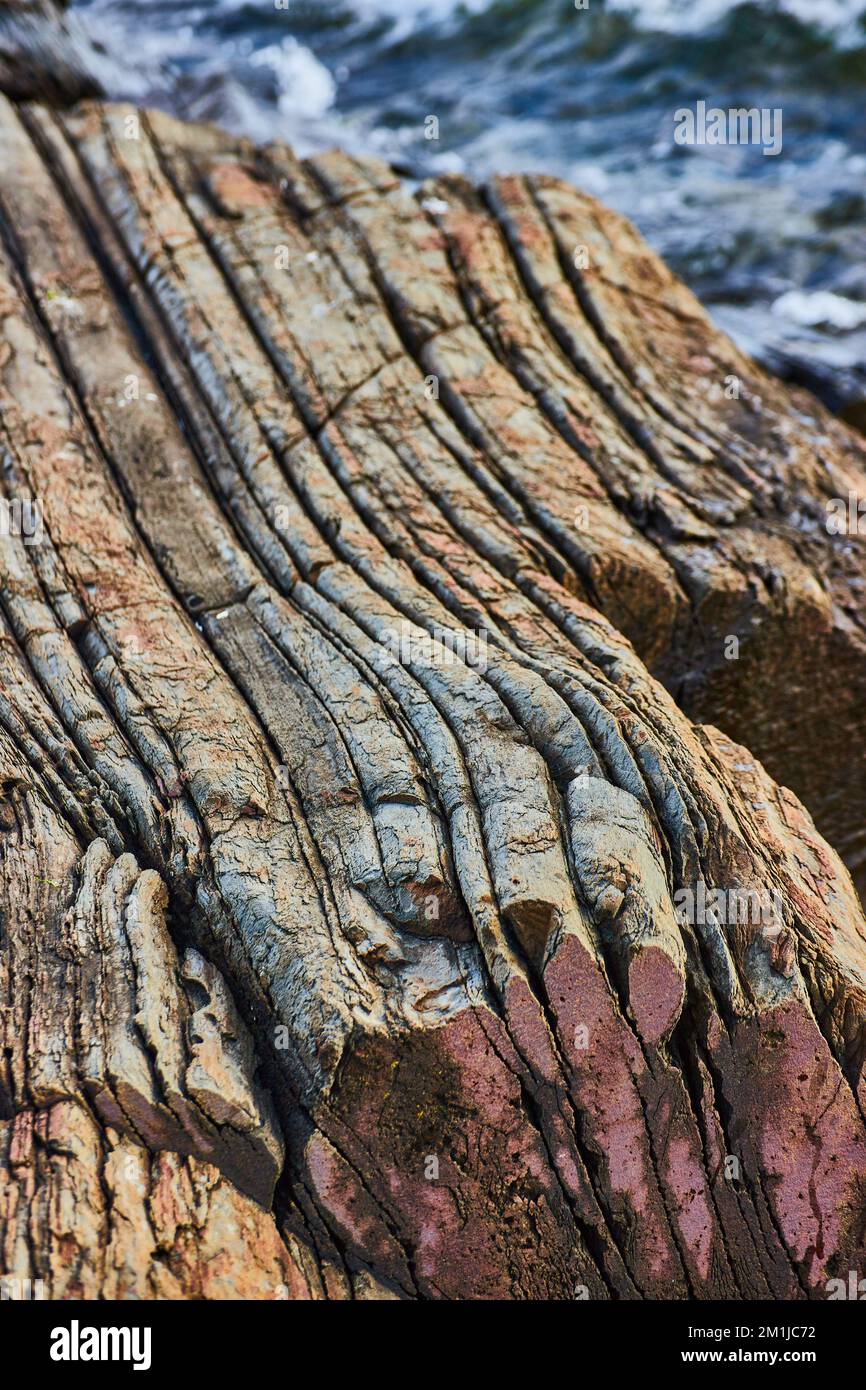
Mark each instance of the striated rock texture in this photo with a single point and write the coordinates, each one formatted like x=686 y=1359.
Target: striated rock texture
x=375 y=921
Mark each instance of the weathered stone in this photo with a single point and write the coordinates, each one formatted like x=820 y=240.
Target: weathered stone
x=353 y=928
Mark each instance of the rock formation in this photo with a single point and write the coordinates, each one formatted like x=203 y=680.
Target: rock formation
x=395 y=901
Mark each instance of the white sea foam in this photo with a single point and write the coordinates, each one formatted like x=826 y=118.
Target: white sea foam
x=417 y=9
x=820 y=309
x=306 y=88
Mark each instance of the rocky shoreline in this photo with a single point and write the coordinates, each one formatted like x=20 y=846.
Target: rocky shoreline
x=335 y=962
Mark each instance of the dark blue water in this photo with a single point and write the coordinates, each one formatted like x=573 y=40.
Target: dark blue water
x=776 y=246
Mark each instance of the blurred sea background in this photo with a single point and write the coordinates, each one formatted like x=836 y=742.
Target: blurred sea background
x=774 y=246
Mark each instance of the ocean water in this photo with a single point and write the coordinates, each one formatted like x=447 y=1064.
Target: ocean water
x=774 y=245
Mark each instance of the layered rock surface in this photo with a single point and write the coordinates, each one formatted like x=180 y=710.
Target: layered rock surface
x=357 y=718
